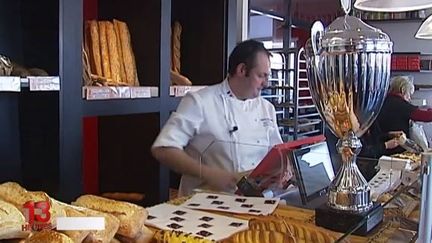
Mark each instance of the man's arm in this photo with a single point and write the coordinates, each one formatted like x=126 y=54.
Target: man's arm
x=179 y=161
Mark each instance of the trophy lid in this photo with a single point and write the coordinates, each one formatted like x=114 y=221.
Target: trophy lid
x=349 y=33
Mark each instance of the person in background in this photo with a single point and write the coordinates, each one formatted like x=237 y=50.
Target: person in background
x=397 y=111
x=203 y=139
x=375 y=144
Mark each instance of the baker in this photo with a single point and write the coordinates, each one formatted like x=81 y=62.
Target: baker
x=224 y=129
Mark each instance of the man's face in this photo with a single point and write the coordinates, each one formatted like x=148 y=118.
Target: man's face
x=257 y=78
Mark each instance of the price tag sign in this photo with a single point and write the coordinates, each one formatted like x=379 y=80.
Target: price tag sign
x=10 y=84
x=44 y=83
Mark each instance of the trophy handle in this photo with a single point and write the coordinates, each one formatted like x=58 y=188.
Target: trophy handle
x=346 y=5
x=316 y=35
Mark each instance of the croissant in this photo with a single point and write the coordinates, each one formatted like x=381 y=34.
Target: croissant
x=260 y=236
x=300 y=231
x=166 y=236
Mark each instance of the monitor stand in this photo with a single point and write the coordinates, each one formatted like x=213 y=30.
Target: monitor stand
x=292 y=198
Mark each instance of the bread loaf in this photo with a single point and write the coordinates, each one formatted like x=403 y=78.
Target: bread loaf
x=75 y=235
x=179 y=79
x=51 y=236
x=131 y=216
x=127 y=52
x=11 y=222
x=260 y=236
x=98 y=236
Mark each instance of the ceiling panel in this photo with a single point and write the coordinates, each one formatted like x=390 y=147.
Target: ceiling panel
x=305 y=10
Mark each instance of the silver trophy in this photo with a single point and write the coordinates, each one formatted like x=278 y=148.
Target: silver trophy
x=348 y=65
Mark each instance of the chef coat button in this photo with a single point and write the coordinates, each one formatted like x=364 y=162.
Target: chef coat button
x=256 y=120
x=258 y=141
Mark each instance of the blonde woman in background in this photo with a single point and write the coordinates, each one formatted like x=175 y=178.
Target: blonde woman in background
x=397 y=111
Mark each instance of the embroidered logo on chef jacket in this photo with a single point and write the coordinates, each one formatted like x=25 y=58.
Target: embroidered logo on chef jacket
x=266 y=122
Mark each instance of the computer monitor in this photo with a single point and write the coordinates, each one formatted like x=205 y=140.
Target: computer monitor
x=313 y=170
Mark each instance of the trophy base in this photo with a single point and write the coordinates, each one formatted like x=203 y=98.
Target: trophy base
x=342 y=221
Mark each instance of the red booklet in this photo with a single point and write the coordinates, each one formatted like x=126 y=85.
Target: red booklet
x=275 y=170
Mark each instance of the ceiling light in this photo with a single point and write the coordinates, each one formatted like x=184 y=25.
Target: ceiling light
x=392 y=5
x=425 y=30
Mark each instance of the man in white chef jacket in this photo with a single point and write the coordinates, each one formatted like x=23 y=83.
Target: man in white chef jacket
x=222 y=123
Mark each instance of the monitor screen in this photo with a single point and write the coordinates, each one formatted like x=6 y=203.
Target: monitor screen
x=313 y=169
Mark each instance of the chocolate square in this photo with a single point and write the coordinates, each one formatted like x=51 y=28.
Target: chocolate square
x=179 y=212
x=174 y=226
x=236 y=224
x=205 y=225
x=254 y=211
x=177 y=219
x=193 y=204
x=205 y=218
x=204 y=233
x=223 y=207
x=242 y=200
x=212 y=197
x=269 y=201
x=247 y=205
x=217 y=202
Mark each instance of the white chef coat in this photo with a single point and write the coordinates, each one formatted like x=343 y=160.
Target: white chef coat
x=219 y=130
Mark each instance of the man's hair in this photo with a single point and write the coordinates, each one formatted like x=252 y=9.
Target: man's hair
x=402 y=85
x=245 y=52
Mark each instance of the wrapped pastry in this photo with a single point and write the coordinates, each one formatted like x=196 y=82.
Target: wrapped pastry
x=18 y=196
x=114 y=57
x=11 y=222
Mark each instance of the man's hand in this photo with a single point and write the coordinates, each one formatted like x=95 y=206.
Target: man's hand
x=392 y=143
x=219 y=179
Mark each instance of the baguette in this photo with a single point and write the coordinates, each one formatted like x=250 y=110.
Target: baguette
x=120 y=51
x=48 y=236
x=113 y=54
x=176 y=47
x=131 y=216
x=11 y=222
x=94 y=46
x=128 y=56
x=106 y=67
